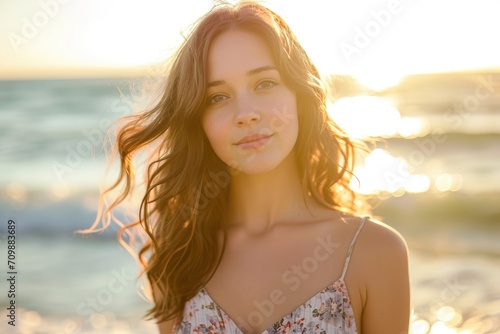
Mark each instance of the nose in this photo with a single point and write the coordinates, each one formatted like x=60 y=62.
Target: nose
x=247 y=113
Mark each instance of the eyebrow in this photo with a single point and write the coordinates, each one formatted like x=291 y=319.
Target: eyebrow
x=262 y=69
x=251 y=72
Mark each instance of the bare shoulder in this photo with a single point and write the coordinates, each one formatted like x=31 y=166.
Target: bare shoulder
x=380 y=254
x=378 y=239
x=381 y=272
x=380 y=250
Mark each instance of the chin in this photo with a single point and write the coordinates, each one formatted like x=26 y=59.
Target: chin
x=260 y=166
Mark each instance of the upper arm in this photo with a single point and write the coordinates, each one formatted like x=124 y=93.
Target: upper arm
x=387 y=308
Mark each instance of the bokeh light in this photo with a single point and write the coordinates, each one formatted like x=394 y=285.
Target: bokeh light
x=448 y=182
x=16 y=191
x=411 y=127
x=420 y=326
x=382 y=172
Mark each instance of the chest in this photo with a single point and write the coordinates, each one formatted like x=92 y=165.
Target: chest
x=272 y=276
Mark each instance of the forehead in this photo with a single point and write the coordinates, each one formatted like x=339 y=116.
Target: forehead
x=236 y=52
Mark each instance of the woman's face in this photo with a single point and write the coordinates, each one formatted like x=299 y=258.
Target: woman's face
x=250 y=117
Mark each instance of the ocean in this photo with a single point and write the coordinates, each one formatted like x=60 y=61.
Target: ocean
x=440 y=187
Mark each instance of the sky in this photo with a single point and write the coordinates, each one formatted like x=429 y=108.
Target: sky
x=382 y=39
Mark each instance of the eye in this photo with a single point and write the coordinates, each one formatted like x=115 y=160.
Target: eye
x=217 y=98
x=267 y=84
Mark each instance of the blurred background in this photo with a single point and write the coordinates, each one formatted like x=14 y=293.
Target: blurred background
x=422 y=77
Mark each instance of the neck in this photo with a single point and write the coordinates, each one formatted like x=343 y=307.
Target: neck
x=258 y=202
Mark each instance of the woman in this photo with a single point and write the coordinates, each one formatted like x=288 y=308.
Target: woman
x=252 y=225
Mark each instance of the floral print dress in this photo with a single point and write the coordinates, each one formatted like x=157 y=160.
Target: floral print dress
x=327 y=312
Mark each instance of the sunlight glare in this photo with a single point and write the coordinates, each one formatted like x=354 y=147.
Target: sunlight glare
x=98 y=321
x=448 y=182
x=420 y=326
x=382 y=172
x=417 y=183
x=411 y=127
x=61 y=190
x=122 y=34
x=379 y=81
x=445 y=313
x=365 y=116
x=16 y=191
x=32 y=319
x=440 y=327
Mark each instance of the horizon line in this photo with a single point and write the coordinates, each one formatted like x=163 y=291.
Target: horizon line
x=138 y=72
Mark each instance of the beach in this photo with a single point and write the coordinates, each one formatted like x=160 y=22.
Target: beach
x=52 y=164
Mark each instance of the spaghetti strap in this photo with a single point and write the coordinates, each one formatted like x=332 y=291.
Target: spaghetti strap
x=351 y=247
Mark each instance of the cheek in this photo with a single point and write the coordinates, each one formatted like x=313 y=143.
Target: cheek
x=213 y=125
x=283 y=116
x=290 y=119
x=209 y=125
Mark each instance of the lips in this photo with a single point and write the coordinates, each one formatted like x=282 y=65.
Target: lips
x=253 y=141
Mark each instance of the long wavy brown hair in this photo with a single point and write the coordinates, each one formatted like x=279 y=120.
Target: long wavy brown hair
x=186 y=185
